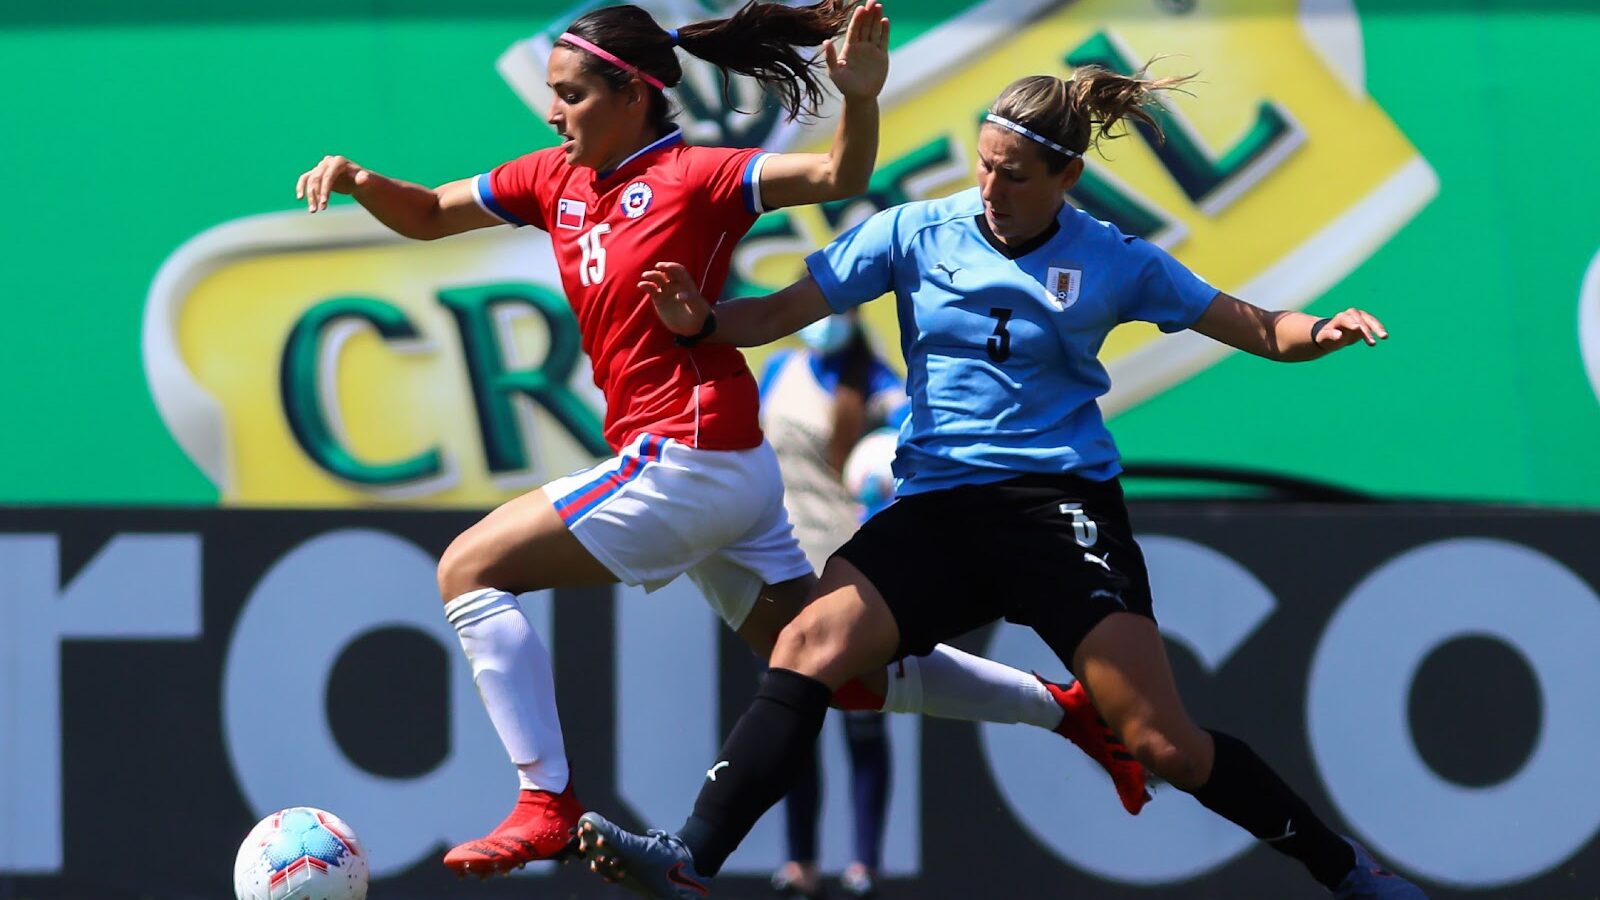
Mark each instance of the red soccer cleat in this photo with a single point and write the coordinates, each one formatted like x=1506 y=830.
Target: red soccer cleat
x=541 y=826
x=1082 y=725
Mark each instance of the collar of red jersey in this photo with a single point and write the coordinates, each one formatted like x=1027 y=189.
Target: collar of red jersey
x=675 y=136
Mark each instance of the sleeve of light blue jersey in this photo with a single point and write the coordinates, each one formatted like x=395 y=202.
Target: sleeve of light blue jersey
x=858 y=265
x=1165 y=292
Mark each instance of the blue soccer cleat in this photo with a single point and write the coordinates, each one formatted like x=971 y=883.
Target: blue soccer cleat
x=656 y=864
x=1369 y=880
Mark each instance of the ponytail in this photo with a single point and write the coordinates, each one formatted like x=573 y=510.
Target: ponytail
x=767 y=41
x=1083 y=110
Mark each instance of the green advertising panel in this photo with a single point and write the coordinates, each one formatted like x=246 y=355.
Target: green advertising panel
x=178 y=331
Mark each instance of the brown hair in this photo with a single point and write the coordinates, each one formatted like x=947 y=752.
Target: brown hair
x=764 y=40
x=1082 y=110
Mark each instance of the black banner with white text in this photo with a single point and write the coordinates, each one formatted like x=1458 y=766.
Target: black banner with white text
x=1422 y=674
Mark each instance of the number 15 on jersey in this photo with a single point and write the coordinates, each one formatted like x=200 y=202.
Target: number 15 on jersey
x=593 y=266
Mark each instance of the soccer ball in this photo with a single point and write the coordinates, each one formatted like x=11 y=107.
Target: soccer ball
x=867 y=474
x=300 y=853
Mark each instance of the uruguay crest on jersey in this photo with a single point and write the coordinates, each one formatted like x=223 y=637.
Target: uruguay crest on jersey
x=1063 y=286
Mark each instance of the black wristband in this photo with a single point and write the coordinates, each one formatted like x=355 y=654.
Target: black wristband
x=1317 y=327
x=689 y=340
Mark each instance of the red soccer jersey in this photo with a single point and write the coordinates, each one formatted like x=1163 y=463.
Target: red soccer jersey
x=667 y=203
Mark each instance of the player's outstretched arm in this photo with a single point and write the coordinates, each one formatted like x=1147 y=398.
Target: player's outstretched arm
x=858 y=70
x=1285 y=336
x=411 y=210
x=745 y=322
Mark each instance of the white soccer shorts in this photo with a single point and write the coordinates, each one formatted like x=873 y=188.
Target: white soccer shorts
x=660 y=509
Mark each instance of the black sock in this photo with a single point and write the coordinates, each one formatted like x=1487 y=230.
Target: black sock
x=1244 y=790
x=757 y=765
x=801 y=807
x=867 y=733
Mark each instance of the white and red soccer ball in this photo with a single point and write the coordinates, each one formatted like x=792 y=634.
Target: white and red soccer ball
x=300 y=853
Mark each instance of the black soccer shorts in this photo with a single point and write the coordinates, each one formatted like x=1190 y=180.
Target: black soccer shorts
x=1052 y=552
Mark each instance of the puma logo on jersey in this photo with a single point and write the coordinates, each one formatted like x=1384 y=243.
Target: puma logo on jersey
x=949 y=272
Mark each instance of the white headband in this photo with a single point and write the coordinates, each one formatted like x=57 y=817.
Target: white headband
x=1013 y=126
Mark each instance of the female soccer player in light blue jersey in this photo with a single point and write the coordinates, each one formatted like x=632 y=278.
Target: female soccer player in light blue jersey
x=1007 y=477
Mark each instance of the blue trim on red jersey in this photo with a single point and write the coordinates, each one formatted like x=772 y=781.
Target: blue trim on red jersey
x=675 y=136
x=481 y=186
x=748 y=182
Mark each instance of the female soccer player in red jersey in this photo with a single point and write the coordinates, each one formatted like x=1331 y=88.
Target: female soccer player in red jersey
x=694 y=488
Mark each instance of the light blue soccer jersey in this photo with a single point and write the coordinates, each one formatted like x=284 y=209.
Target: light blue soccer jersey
x=1001 y=346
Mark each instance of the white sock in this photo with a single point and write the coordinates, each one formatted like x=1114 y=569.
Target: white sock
x=951 y=684
x=511 y=668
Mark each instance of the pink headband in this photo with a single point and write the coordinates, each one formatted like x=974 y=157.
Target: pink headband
x=582 y=44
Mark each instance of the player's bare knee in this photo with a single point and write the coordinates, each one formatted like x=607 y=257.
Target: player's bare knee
x=805 y=646
x=791 y=646
x=461 y=569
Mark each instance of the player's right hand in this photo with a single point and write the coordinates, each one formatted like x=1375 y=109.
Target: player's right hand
x=334 y=175
x=678 y=301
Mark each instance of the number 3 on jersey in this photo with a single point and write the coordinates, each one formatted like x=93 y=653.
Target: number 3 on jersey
x=999 y=344
x=593 y=267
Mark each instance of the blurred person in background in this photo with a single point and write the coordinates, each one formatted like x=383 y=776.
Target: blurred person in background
x=817 y=402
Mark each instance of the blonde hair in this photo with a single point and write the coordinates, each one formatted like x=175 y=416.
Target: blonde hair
x=1081 y=111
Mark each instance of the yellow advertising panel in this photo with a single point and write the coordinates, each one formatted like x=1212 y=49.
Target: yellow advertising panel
x=323 y=361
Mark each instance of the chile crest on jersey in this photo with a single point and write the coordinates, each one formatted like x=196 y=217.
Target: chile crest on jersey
x=636 y=199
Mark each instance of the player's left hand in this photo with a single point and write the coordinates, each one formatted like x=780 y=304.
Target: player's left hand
x=1348 y=327
x=678 y=301
x=859 y=67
